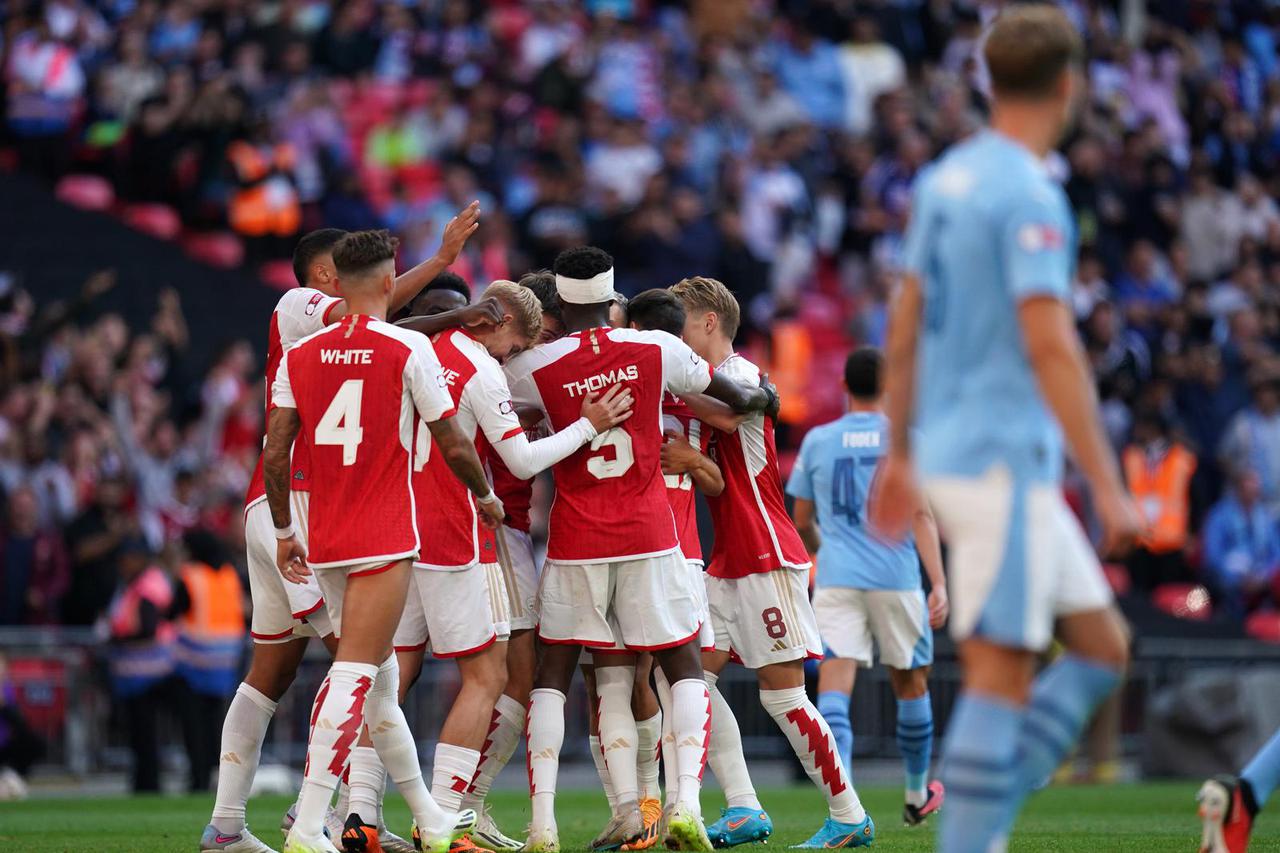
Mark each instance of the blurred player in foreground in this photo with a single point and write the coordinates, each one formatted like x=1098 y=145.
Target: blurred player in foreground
x=1228 y=805
x=995 y=379
x=758 y=596
x=355 y=391
x=868 y=591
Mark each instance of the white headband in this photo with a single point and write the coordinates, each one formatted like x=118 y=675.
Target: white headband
x=586 y=291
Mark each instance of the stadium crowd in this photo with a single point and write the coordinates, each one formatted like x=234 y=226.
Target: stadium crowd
x=773 y=145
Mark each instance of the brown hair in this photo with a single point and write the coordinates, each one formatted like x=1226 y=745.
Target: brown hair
x=360 y=251
x=1028 y=48
x=700 y=293
x=523 y=305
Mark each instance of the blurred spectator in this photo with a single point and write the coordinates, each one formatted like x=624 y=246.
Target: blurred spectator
x=35 y=573
x=20 y=746
x=1241 y=547
x=94 y=540
x=141 y=638
x=208 y=609
x=1252 y=442
x=1158 y=471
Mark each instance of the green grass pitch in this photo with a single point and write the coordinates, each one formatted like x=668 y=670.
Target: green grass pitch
x=1147 y=818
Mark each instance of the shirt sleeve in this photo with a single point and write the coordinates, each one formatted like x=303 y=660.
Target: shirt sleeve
x=524 y=391
x=301 y=312
x=800 y=484
x=1035 y=245
x=282 y=388
x=426 y=382
x=683 y=370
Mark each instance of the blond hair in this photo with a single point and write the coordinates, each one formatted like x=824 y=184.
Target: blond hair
x=1028 y=48
x=521 y=303
x=700 y=293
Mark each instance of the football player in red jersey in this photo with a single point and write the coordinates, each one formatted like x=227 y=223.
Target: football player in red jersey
x=286 y=615
x=758 y=581
x=687 y=466
x=459 y=566
x=614 y=571
x=361 y=444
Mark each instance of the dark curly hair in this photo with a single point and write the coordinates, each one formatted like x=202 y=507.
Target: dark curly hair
x=582 y=262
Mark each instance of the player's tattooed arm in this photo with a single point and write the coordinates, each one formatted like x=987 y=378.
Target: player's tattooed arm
x=282 y=428
x=744 y=399
x=486 y=312
x=460 y=455
x=291 y=556
x=455 y=235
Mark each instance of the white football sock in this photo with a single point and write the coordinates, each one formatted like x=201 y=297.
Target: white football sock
x=606 y=783
x=648 y=741
x=618 y=735
x=725 y=752
x=505 y=731
x=546 y=737
x=399 y=754
x=670 y=773
x=243 y=730
x=451 y=774
x=813 y=744
x=367 y=779
x=691 y=724
x=339 y=719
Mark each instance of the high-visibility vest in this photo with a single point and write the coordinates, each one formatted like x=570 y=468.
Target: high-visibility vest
x=267 y=203
x=791 y=364
x=138 y=664
x=1160 y=490
x=211 y=632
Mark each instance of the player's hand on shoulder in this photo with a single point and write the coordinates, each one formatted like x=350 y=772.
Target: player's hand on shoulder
x=894 y=498
x=775 y=402
x=291 y=559
x=1122 y=524
x=677 y=455
x=457 y=231
x=486 y=312
x=608 y=410
x=939 y=606
x=492 y=512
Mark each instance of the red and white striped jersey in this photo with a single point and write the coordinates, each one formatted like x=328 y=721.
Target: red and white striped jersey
x=448 y=520
x=300 y=312
x=360 y=387
x=611 y=501
x=678 y=417
x=754 y=534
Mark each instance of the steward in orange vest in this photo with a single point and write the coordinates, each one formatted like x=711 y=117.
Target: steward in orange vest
x=209 y=614
x=1159 y=472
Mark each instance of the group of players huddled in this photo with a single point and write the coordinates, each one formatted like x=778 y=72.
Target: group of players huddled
x=390 y=514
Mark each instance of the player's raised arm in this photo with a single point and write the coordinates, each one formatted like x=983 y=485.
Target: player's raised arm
x=486 y=312
x=460 y=228
x=282 y=428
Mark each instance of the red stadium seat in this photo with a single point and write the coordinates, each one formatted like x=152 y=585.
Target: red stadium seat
x=87 y=192
x=278 y=274
x=1118 y=577
x=158 y=220
x=1183 y=600
x=220 y=249
x=1264 y=625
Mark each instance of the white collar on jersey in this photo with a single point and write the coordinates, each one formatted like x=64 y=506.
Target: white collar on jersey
x=586 y=291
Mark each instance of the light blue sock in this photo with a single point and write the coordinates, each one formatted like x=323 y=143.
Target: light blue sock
x=1263 y=771
x=833 y=705
x=915 y=741
x=1063 y=698
x=980 y=771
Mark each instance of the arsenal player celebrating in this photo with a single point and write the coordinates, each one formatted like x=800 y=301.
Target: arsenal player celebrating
x=758 y=589
x=614 y=571
x=459 y=598
x=354 y=392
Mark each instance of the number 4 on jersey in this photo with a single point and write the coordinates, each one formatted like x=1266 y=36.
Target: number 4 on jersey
x=340 y=424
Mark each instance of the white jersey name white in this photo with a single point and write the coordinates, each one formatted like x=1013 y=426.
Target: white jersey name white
x=861 y=439
x=602 y=380
x=346 y=356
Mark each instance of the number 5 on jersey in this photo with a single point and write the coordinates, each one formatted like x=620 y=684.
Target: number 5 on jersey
x=340 y=424
x=600 y=466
